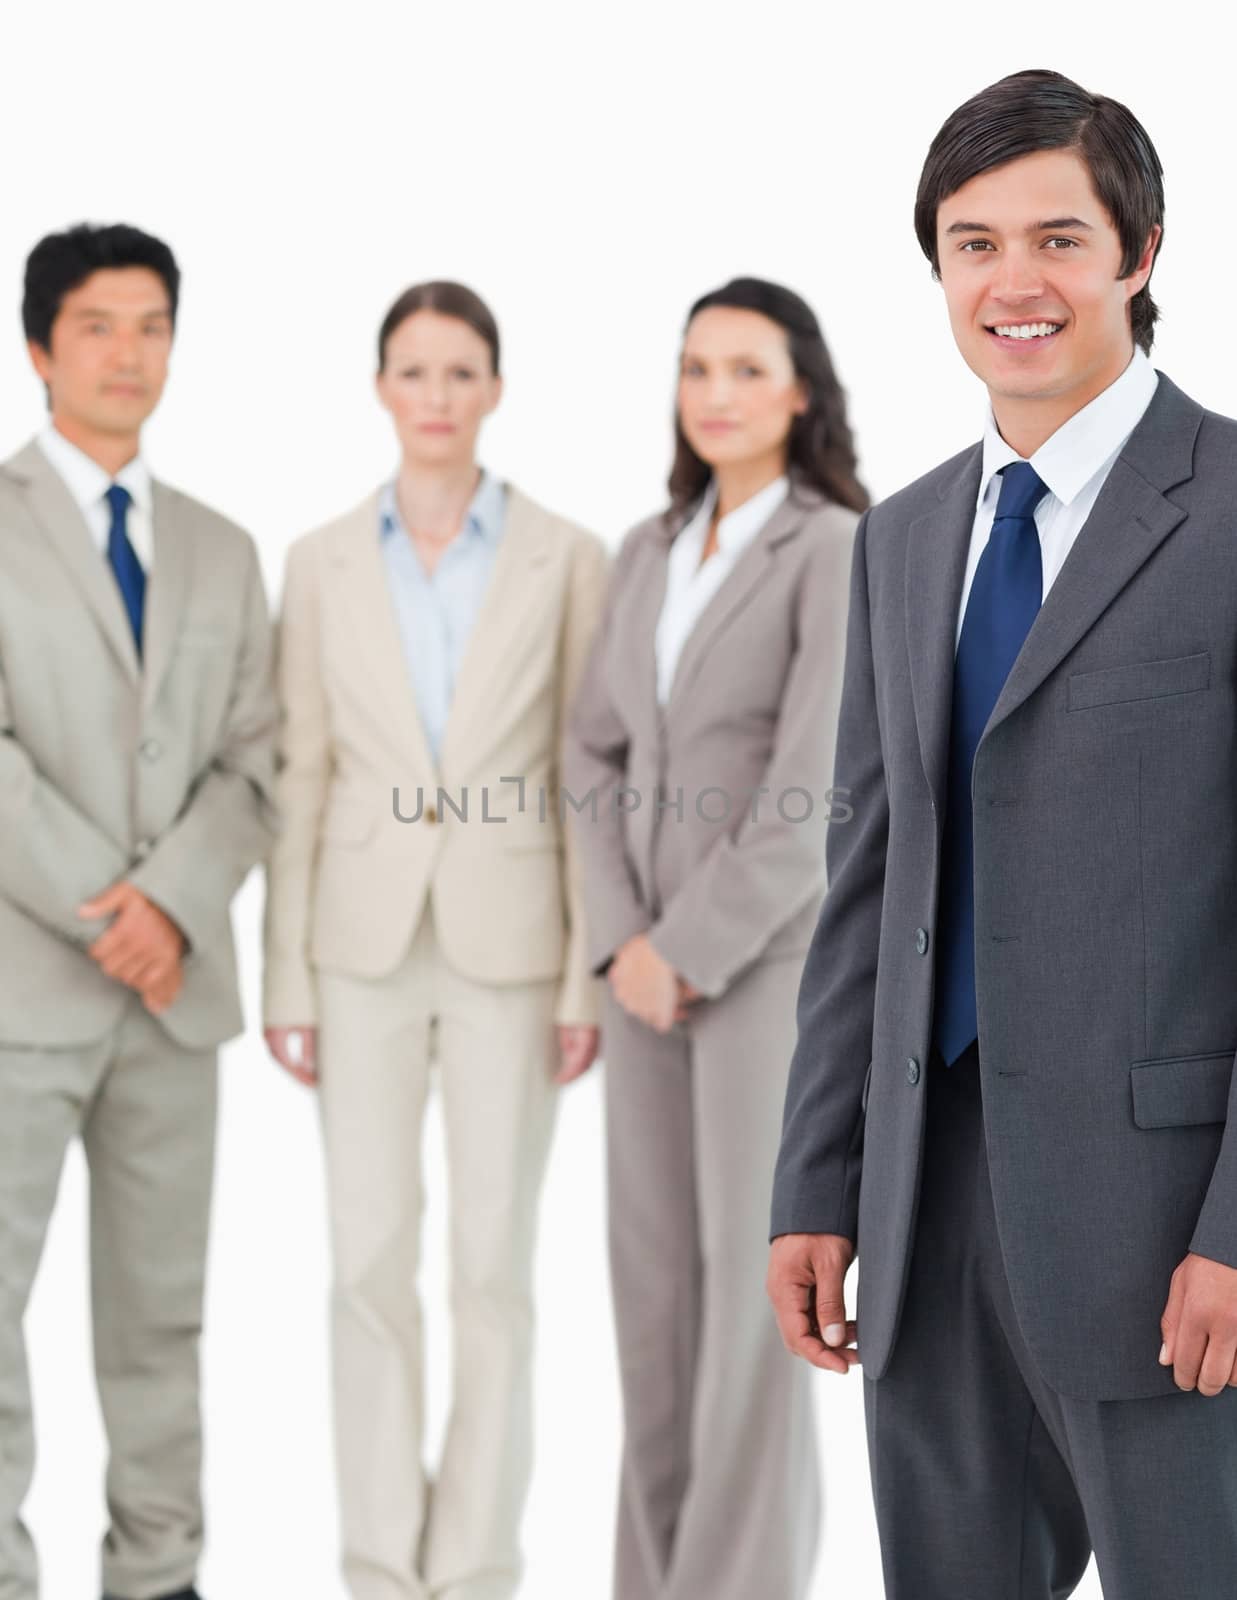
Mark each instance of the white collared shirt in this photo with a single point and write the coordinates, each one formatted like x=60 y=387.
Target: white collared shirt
x=689 y=585
x=88 y=483
x=1074 y=463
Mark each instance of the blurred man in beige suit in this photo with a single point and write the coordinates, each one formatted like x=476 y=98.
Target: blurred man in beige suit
x=432 y=637
x=136 y=738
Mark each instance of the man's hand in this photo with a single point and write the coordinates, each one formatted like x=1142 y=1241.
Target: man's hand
x=159 y=994
x=141 y=946
x=644 y=984
x=577 y=1050
x=807 y=1272
x=1200 y=1326
x=296 y=1050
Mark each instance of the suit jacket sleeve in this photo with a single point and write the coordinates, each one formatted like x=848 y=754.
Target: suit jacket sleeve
x=228 y=820
x=594 y=768
x=577 y=996
x=754 y=878
x=816 y=1187
x=304 y=771
x=1215 y=1234
x=54 y=857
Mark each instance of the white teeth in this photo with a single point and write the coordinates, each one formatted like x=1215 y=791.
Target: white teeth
x=1027 y=330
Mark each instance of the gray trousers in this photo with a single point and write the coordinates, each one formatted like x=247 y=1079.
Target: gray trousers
x=991 y=1486
x=145 y=1110
x=719 y=1489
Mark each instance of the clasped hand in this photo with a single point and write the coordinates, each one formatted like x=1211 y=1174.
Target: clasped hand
x=648 y=987
x=141 y=946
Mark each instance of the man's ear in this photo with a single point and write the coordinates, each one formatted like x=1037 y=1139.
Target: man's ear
x=1146 y=261
x=40 y=359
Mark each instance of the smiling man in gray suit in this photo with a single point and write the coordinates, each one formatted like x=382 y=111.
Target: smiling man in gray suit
x=136 y=761
x=1018 y=1017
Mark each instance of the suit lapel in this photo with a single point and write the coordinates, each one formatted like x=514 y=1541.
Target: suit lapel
x=356 y=557
x=734 y=590
x=936 y=551
x=168 y=587
x=58 y=515
x=1130 y=520
x=511 y=593
x=646 y=602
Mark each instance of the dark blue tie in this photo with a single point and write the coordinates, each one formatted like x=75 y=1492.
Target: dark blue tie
x=1005 y=595
x=124 y=561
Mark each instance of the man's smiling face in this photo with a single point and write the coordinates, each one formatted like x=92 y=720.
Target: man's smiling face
x=1029 y=262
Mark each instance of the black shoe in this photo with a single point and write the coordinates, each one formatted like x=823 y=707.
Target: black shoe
x=181 y=1594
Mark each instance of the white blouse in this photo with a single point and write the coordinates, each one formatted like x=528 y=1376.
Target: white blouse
x=690 y=585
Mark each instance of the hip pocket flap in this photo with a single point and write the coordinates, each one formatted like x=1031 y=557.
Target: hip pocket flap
x=1180 y=1092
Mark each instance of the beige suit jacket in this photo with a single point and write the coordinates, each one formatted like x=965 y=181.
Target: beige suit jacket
x=348 y=880
x=161 y=773
x=717 y=848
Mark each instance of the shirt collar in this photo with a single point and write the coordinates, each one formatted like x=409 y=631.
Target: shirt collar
x=483 y=520
x=86 y=480
x=1070 y=458
x=742 y=524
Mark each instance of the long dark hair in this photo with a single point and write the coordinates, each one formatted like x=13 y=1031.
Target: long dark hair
x=820 y=450
x=449 y=300
x=1042 y=110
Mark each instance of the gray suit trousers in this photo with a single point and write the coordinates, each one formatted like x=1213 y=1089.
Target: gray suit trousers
x=989 y=1485
x=719 y=1496
x=144 y=1107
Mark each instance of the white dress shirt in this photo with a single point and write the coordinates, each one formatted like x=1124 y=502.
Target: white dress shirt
x=87 y=482
x=1074 y=463
x=689 y=585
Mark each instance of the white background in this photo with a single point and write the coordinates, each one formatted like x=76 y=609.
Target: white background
x=590 y=171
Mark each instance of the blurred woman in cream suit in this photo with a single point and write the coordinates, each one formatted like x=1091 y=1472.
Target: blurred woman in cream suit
x=423 y=909
x=704 y=731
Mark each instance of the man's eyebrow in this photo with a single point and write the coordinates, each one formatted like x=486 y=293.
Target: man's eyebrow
x=100 y=311
x=1034 y=227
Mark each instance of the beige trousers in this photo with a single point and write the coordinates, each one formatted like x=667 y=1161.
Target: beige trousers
x=455 y=1536
x=145 y=1109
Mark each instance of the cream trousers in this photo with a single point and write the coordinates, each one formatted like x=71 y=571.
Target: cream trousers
x=453 y=1534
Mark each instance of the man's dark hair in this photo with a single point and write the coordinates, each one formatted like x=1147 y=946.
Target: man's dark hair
x=821 y=450
x=1040 y=110
x=61 y=262
x=448 y=299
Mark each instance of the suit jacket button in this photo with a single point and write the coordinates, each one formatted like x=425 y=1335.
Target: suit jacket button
x=150 y=749
x=431 y=815
x=921 y=941
x=912 y=1070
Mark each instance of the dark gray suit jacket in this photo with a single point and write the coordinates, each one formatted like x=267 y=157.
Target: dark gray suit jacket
x=1105 y=803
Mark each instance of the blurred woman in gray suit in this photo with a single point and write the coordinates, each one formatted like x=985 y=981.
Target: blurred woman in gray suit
x=699 y=754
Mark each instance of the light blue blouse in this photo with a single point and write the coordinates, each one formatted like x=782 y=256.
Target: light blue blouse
x=436 y=613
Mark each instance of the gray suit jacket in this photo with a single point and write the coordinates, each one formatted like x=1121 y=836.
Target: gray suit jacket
x=1105 y=803
x=753 y=707
x=160 y=774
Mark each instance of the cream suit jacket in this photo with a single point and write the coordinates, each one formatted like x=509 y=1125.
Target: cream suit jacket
x=160 y=773
x=348 y=881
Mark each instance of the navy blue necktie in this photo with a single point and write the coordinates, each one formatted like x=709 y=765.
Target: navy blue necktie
x=124 y=561
x=1006 y=592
